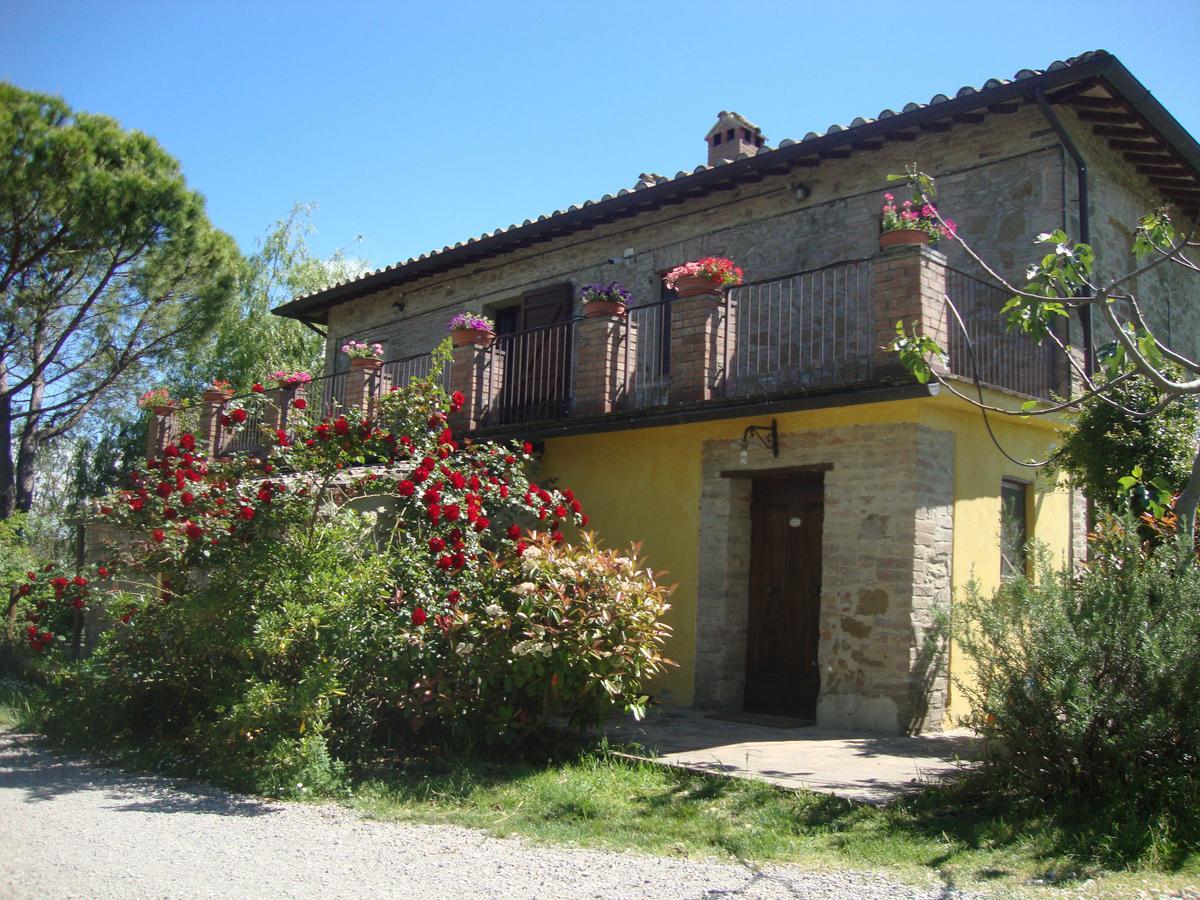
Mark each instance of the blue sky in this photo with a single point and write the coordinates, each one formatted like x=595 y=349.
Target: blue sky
x=420 y=124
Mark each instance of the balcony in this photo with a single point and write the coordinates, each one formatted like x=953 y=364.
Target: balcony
x=819 y=331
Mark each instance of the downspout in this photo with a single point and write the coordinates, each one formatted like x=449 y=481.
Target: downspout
x=1085 y=313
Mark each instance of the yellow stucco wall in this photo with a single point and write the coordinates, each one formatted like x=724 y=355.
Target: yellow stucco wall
x=644 y=485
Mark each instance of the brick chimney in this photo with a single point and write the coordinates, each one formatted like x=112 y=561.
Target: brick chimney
x=732 y=136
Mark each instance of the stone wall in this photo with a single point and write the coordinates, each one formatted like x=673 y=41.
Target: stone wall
x=1002 y=180
x=886 y=560
x=1119 y=196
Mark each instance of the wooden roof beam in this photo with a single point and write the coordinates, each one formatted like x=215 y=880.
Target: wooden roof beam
x=1106 y=118
x=1162 y=157
x=1122 y=131
x=1090 y=102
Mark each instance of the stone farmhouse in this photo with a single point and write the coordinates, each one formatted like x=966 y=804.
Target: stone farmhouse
x=816 y=506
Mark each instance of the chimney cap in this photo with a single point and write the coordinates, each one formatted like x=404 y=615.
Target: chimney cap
x=727 y=119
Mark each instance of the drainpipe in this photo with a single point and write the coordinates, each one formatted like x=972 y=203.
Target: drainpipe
x=1085 y=313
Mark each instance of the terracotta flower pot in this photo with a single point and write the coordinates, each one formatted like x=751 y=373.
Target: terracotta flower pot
x=903 y=237
x=695 y=285
x=466 y=337
x=595 y=309
x=215 y=396
x=163 y=411
x=365 y=362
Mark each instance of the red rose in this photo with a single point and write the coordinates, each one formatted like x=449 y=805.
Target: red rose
x=453 y=597
x=300 y=403
x=106 y=510
x=450 y=511
x=583 y=520
x=481 y=524
x=187 y=498
x=164 y=489
x=246 y=513
x=418 y=616
x=194 y=531
x=504 y=491
x=188 y=442
x=102 y=572
x=169 y=513
x=456 y=401
x=171 y=450
x=527 y=447
x=158 y=535
x=238 y=415
x=257 y=388
x=437 y=544
x=435 y=513
x=23 y=590
x=514 y=531
x=445 y=562
x=406 y=488
x=557 y=537
x=341 y=426
x=264 y=494
x=458 y=480
x=80 y=581
x=560 y=511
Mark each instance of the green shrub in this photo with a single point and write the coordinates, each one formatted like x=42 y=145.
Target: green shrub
x=1086 y=686
x=1106 y=444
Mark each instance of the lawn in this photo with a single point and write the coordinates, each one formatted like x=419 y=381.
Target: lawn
x=586 y=795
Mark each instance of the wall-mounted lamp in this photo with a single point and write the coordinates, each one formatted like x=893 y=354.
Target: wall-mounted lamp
x=399 y=308
x=801 y=190
x=768 y=436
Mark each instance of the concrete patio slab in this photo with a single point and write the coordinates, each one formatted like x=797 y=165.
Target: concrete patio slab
x=858 y=766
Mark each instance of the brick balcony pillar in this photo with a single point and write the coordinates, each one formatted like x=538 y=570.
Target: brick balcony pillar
x=362 y=385
x=908 y=284
x=208 y=432
x=702 y=342
x=605 y=358
x=477 y=373
x=162 y=431
x=278 y=405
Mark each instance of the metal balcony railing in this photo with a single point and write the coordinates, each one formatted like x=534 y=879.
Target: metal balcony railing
x=807 y=331
x=527 y=375
x=647 y=356
x=1006 y=359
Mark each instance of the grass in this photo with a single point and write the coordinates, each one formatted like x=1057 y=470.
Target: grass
x=17 y=704
x=591 y=798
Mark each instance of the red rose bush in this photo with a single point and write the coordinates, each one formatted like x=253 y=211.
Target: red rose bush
x=366 y=584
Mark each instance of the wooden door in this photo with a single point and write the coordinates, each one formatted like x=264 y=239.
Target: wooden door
x=782 y=674
x=538 y=366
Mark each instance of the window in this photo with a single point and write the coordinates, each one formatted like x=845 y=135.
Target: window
x=1014 y=527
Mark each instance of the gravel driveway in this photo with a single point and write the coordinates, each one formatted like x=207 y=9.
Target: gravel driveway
x=69 y=829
